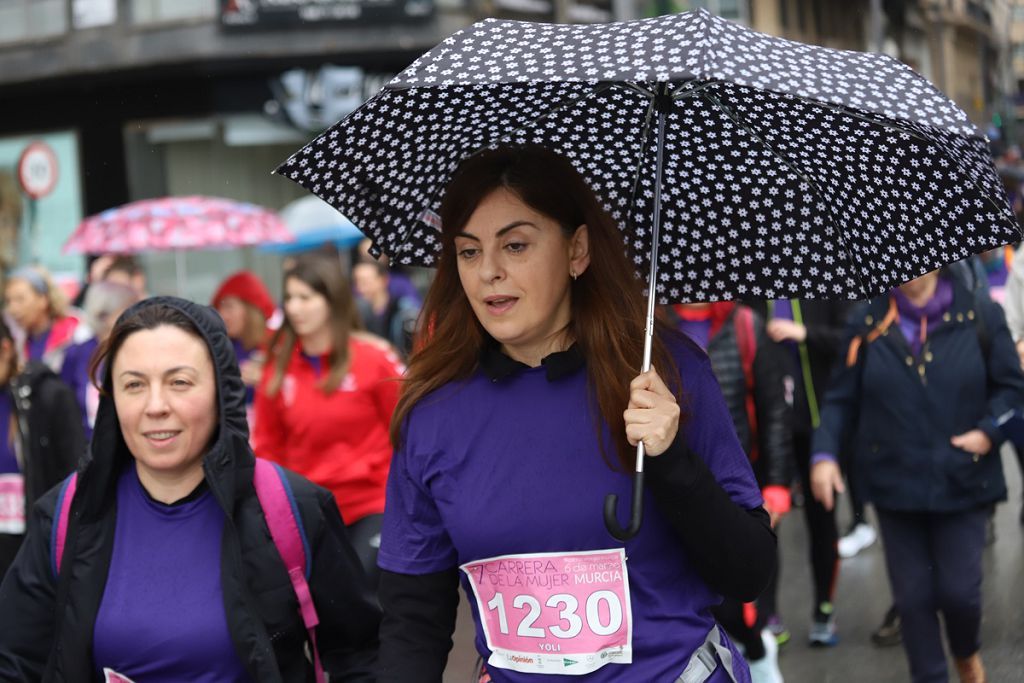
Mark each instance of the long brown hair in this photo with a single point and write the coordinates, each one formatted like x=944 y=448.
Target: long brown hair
x=607 y=307
x=324 y=276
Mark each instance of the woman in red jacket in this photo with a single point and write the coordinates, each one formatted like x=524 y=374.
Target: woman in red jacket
x=324 y=404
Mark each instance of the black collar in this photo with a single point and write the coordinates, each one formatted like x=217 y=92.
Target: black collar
x=498 y=366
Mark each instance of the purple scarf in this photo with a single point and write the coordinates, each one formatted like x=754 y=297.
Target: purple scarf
x=931 y=312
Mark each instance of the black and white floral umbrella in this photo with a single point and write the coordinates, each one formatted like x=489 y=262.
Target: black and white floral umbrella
x=738 y=165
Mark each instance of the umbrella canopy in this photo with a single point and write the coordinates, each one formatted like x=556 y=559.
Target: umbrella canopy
x=789 y=170
x=314 y=222
x=176 y=223
x=737 y=165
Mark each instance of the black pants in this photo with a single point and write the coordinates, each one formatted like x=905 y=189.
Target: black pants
x=821 y=526
x=934 y=563
x=365 y=538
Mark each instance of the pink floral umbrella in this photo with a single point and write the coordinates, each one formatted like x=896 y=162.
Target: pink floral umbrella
x=176 y=224
x=171 y=223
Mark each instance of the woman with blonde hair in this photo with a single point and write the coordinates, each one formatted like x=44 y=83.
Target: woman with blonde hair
x=40 y=311
x=325 y=401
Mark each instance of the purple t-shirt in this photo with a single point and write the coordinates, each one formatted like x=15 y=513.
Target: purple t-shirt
x=697 y=330
x=37 y=345
x=8 y=460
x=243 y=354
x=162 y=614
x=75 y=373
x=490 y=468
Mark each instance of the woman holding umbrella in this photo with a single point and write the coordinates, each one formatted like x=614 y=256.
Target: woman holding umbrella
x=518 y=414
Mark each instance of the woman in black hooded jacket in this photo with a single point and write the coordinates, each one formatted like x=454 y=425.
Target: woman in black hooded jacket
x=40 y=440
x=149 y=594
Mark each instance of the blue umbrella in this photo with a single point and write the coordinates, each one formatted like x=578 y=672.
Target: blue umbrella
x=315 y=223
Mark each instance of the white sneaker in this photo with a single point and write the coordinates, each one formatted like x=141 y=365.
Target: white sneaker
x=862 y=536
x=766 y=669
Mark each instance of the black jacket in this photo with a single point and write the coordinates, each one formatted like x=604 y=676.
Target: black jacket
x=47 y=629
x=901 y=410
x=773 y=465
x=50 y=440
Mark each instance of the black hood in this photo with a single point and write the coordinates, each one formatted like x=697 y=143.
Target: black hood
x=229 y=454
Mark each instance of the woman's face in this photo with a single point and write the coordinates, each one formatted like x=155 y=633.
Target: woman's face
x=514 y=264
x=307 y=310
x=232 y=310
x=29 y=309
x=920 y=286
x=165 y=394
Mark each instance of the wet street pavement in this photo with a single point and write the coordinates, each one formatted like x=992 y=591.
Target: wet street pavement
x=862 y=596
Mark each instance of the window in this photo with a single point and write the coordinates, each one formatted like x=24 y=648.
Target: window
x=22 y=20
x=737 y=10
x=159 y=11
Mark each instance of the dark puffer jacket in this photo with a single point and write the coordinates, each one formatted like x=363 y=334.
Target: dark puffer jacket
x=46 y=632
x=772 y=465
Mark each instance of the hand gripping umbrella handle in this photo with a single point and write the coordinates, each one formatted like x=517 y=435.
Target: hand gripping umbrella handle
x=661 y=104
x=611 y=502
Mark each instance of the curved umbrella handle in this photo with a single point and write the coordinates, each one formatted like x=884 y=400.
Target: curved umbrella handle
x=611 y=502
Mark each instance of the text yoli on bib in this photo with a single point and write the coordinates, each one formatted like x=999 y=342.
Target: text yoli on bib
x=554 y=613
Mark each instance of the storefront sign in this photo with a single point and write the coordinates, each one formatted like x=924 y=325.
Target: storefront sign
x=277 y=14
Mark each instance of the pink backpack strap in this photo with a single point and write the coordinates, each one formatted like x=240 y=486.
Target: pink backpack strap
x=282 y=515
x=59 y=530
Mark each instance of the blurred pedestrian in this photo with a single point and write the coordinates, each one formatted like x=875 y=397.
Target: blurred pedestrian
x=326 y=397
x=40 y=311
x=246 y=307
x=125 y=269
x=104 y=303
x=751 y=375
x=522 y=408
x=1013 y=305
x=40 y=441
x=166 y=571
x=393 y=318
x=810 y=333
x=400 y=285
x=929 y=369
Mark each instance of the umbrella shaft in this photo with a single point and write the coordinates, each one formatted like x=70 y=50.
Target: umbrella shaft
x=652 y=276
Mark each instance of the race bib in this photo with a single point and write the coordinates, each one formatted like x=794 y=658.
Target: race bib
x=12 y=504
x=554 y=613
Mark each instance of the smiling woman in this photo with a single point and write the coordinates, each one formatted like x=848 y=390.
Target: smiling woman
x=164 y=570
x=166 y=403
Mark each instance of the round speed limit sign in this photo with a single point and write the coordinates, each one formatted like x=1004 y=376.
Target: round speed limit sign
x=37 y=170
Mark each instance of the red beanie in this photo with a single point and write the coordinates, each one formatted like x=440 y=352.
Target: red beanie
x=249 y=288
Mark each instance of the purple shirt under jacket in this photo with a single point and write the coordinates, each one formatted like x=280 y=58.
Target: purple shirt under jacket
x=162 y=616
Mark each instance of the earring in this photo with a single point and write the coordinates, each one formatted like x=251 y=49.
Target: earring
x=572 y=274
